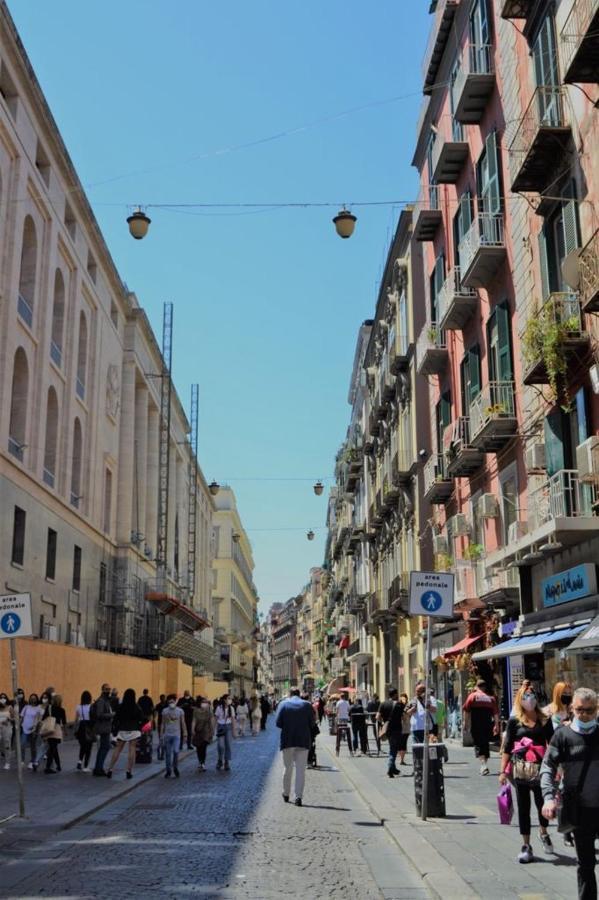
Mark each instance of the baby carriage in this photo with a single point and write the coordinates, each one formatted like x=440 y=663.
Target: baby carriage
x=312 y=761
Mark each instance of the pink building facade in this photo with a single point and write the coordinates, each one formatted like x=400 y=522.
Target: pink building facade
x=508 y=161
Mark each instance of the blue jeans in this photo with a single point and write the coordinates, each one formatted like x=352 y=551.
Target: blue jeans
x=102 y=752
x=29 y=740
x=224 y=743
x=393 y=750
x=172 y=745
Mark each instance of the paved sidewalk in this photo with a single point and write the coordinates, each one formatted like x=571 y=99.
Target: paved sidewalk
x=468 y=853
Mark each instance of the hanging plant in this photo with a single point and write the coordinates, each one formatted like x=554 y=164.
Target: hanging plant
x=473 y=552
x=443 y=562
x=544 y=338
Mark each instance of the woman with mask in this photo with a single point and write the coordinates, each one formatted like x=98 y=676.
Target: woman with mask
x=84 y=731
x=524 y=743
x=559 y=708
x=127 y=724
x=7 y=718
x=203 y=729
x=224 y=731
x=54 y=710
x=31 y=716
x=173 y=734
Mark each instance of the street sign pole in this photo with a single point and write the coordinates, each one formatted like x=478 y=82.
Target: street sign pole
x=425 y=760
x=15 y=686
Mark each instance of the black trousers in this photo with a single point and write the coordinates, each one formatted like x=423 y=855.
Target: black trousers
x=201 y=751
x=52 y=753
x=584 y=838
x=481 y=738
x=523 y=795
x=359 y=734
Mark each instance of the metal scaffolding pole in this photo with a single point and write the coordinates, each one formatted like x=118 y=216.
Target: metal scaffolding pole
x=164 y=443
x=193 y=494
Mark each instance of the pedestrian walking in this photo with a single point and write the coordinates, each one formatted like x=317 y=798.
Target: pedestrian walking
x=422 y=714
x=242 y=712
x=373 y=706
x=7 y=721
x=174 y=732
x=31 y=716
x=255 y=714
x=524 y=743
x=146 y=704
x=158 y=710
x=576 y=751
x=102 y=715
x=264 y=711
x=440 y=715
x=357 y=715
x=225 y=715
x=481 y=718
x=320 y=709
x=84 y=731
x=390 y=715
x=186 y=703
x=559 y=708
x=56 y=721
x=127 y=724
x=295 y=718
x=203 y=729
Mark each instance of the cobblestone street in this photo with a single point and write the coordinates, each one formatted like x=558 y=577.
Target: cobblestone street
x=221 y=835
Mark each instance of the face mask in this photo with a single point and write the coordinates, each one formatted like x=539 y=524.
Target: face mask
x=529 y=702
x=20 y=695
x=44 y=700
x=566 y=699
x=33 y=702
x=584 y=727
x=172 y=704
x=3 y=701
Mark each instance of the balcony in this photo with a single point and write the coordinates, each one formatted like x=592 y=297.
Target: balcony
x=588 y=264
x=387 y=387
x=428 y=216
x=400 y=352
x=482 y=250
x=438 y=486
x=474 y=83
x=431 y=350
x=455 y=303
x=516 y=9
x=440 y=32
x=540 y=141
x=565 y=504
x=561 y=310
x=580 y=41
x=462 y=459
x=493 y=417
x=403 y=467
x=449 y=157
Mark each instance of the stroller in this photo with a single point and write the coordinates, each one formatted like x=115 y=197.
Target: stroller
x=312 y=761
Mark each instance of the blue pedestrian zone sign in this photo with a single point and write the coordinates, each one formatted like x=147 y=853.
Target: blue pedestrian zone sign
x=431 y=594
x=15 y=616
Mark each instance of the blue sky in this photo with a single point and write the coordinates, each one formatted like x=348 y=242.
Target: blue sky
x=267 y=303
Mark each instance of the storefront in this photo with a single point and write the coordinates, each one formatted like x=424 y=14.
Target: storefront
x=583 y=653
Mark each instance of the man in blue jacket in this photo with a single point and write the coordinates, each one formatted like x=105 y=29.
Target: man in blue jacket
x=295 y=718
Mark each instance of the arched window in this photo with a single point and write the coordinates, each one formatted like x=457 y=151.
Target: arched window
x=57 y=319
x=76 y=496
x=50 y=445
x=27 y=274
x=81 y=357
x=18 y=405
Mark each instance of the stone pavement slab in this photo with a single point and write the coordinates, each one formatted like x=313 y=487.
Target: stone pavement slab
x=468 y=853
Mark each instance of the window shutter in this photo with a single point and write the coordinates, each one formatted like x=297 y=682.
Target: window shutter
x=466 y=209
x=474 y=365
x=492 y=192
x=545 y=290
x=570 y=219
x=554 y=442
x=504 y=342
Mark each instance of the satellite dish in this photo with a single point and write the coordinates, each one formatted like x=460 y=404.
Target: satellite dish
x=571 y=269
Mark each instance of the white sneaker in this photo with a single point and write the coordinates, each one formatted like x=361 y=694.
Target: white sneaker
x=7 y=765
x=30 y=766
x=86 y=769
x=484 y=769
x=525 y=855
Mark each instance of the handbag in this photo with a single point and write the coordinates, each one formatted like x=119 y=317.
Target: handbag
x=505 y=805
x=48 y=727
x=568 y=801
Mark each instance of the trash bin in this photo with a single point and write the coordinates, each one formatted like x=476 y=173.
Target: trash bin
x=436 y=786
x=332 y=723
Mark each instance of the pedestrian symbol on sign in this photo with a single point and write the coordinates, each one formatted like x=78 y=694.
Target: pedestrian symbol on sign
x=431 y=601
x=10 y=623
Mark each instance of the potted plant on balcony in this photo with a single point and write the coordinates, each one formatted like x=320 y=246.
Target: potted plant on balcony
x=473 y=552
x=443 y=562
x=544 y=338
x=432 y=334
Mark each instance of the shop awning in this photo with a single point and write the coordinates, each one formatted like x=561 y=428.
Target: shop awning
x=529 y=643
x=336 y=687
x=588 y=639
x=462 y=645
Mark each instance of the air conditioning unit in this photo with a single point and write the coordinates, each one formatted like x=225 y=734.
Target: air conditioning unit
x=535 y=457
x=516 y=531
x=587 y=460
x=460 y=525
x=439 y=544
x=488 y=507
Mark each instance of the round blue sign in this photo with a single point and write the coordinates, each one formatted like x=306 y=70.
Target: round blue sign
x=431 y=601
x=10 y=623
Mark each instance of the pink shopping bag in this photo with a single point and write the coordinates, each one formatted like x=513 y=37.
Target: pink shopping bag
x=505 y=805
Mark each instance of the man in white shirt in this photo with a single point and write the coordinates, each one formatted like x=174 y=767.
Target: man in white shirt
x=423 y=714
x=342 y=709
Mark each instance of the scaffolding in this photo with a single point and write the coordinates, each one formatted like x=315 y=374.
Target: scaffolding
x=193 y=494
x=164 y=443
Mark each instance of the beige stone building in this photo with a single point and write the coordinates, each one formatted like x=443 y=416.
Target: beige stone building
x=235 y=599
x=79 y=407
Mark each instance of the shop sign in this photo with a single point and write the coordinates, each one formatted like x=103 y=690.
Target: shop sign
x=572 y=584
x=507 y=628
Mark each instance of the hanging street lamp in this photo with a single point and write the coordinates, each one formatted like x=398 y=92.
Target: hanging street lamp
x=138 y=224
x=318 y=488
x=310 y=535
x=214 y=488
x=345 y=222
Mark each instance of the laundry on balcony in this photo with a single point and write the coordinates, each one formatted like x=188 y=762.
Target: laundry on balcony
x=529 y=643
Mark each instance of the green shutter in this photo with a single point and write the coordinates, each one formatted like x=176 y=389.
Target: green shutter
x=474 y=367
x=554 y=442
x=545 y=289
x=570 y=219
x=492 y=192
x=504 y=342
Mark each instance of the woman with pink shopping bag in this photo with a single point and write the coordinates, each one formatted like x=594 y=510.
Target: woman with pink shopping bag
x=505 y=805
